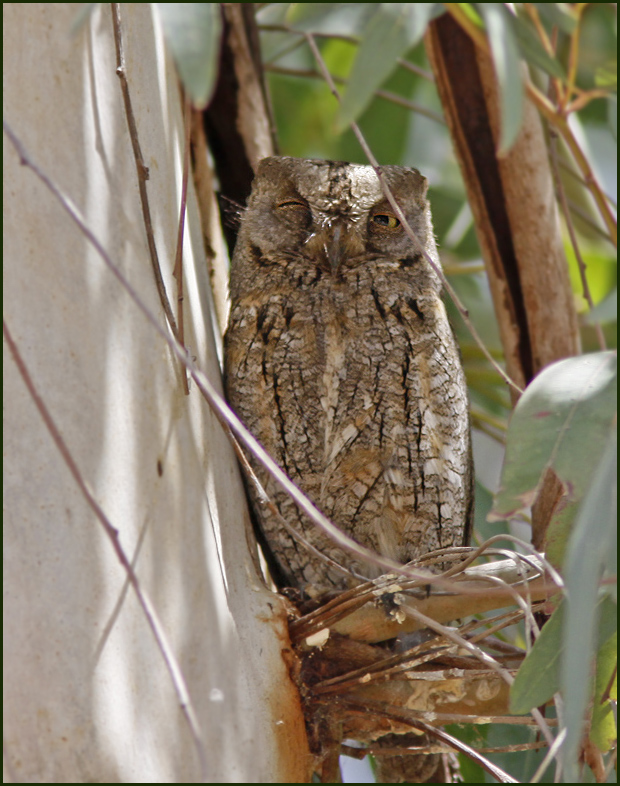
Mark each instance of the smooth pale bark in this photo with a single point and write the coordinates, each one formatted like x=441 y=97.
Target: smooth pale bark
x=87 y=696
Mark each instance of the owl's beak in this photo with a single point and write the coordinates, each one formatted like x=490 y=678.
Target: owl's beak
x=336 y=243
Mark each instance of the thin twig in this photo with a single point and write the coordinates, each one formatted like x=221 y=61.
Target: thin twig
x=405 y=716
x=549 y=756
x=468 y=594
x=573 y=56
x=483 y=548
x=490 y=420
x=178 y=261
x=430 y=749
x=460 y=268
x=591 y=181
x=548 y=46
x=573 y=237
x=450 y=634
x=266 y=500
x=401 y=217
x=393 y=98
x=174 y=670
x=580 y=213
x=384 y=670
x=554 y=115
x=142 y=169
x=504 y=621
x=485 y=428
x=553 y=574
x=566 y=166
x=408 y=66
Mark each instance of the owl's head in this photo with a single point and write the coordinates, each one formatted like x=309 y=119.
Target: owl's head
x=335 y=214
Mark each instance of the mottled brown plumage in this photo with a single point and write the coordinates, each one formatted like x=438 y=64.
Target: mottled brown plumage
x=340 y=359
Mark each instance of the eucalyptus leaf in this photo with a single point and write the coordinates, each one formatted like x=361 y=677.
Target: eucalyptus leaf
x=392 y=30
x=607 y=75
x=335 y=18
x=193 y=33
x=605 y=311
x=505 y=53
x=561 y=421
x=532 y=49
x=538 y=678
x=589 y=553
x=603 y=732
x=612 y=115
x=558 y=15
x=469 y=9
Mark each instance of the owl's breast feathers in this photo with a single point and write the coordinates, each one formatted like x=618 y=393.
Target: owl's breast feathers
x=355 y=391
x=341 y=361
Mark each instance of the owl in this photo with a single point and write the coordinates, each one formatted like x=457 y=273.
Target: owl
x=340 y=359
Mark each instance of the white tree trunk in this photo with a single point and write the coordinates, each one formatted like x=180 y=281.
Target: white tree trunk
x=87 y=695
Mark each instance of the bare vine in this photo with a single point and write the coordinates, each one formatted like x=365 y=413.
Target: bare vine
x=141 y=169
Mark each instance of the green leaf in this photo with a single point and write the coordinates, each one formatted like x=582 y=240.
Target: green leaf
x=605 y=311
x=591 y=551
x=612 y=115
x=559 y=15
x=334 y=18
x=505 y=53
x=561 y=421
x=607 y=75
x=532 y=49
x=603 y=731
x=471 y=13
x=193 y=33
x=390 y=33
x=538 y=679
x=601 y=267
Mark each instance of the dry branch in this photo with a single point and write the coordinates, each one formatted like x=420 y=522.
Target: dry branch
x=375 y=620
x=420 y=681
x=141 y=169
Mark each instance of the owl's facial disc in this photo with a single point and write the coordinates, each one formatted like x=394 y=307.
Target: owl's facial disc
x=334 y=243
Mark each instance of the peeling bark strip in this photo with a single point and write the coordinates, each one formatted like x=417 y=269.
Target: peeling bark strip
x=515 y=212
x=237 y=122
x=513 y=203
x=472 y=134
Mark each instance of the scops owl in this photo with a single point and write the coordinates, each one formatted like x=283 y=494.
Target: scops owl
x=340 y=359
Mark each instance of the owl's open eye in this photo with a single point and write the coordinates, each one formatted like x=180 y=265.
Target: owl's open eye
x=386 y=220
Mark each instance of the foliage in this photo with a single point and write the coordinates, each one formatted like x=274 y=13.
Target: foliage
x=562 y=56
x=193 y=32
x=564 y=416
x=310 y=123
